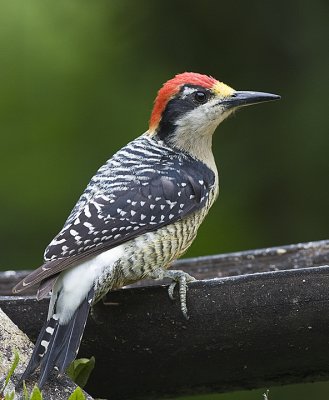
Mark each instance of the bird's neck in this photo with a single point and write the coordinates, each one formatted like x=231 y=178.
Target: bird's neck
x=200 y=149
x=196 y=144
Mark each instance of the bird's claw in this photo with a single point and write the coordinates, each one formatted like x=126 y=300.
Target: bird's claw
x=182 y=278
x=171 y=289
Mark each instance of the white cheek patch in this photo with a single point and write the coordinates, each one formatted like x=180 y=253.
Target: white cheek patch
x=204 y=118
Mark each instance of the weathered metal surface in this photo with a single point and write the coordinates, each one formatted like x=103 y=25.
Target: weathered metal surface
x=302 y=255
x=244 y=331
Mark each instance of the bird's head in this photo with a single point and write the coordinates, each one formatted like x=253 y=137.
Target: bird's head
x=189 y=107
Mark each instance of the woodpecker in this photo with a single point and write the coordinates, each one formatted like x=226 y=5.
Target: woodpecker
x=139 y=213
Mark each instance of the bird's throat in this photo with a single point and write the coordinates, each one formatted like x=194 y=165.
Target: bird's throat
x=199 y=147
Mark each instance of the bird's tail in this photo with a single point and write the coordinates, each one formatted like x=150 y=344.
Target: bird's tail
x=58 y=344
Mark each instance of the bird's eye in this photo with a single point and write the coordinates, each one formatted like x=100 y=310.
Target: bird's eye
x=200 y=97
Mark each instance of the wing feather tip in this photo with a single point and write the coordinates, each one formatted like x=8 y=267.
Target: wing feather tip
x=17 y=288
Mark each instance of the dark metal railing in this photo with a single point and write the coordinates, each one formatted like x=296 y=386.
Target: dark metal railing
x=257 y=318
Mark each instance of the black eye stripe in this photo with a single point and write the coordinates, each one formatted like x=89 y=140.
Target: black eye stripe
x=188 y=98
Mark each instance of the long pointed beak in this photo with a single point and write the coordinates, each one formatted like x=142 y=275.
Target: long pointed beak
x=246 y=98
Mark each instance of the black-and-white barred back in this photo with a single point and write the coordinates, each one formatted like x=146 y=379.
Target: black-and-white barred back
x=144 y=186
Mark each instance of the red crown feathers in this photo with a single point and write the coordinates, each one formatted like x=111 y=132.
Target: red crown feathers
x=171 y=87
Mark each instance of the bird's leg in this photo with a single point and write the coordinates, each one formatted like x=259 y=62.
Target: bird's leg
x=180 y=277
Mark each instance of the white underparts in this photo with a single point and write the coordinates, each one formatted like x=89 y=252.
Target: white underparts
x=73 y=285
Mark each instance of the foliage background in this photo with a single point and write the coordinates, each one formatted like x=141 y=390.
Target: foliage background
x=77 y=81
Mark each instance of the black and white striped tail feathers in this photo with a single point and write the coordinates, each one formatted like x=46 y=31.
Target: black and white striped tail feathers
x=58 y=345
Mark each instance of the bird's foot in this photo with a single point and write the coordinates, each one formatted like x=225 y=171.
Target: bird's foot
x=182 y=278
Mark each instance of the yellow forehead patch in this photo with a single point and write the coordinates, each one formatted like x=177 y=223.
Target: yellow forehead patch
x=222 y=90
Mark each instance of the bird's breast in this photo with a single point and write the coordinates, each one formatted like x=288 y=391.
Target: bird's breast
x=153 y=250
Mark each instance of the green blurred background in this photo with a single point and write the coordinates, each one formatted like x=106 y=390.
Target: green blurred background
x=77 y=82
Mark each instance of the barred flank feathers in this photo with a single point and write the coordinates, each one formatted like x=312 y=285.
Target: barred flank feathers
x=58 y=345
